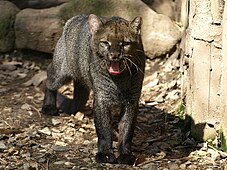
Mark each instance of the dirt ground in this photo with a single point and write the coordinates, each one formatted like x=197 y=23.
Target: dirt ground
x=32 y=141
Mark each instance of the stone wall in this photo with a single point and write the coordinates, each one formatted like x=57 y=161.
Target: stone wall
x=37 y=4
x=39 y=29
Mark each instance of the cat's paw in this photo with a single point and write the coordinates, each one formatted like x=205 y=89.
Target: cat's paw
x=68 y=107
x=128 y=159
x=105 y=158
x=50 y=110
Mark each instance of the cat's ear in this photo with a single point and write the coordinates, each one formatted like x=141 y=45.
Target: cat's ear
x=94 y=23
x=135 y=24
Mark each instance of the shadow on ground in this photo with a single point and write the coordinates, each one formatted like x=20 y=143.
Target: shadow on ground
x=29 y=140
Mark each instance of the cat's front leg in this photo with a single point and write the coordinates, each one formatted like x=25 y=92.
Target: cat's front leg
x=126 y=130
x=102 y=119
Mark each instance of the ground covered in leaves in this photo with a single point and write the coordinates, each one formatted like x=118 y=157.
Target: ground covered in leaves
x=30 y=140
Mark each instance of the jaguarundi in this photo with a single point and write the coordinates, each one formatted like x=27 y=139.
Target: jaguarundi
x=104 y=55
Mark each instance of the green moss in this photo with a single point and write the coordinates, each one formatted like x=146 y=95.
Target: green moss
x=75 y=7
x=223 y=138
x=180 y=111
x=7 y=36
x=4 y=26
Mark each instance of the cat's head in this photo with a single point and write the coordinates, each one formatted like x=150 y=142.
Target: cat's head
x=117 y=43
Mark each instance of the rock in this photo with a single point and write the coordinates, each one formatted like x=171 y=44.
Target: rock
x=183 y=166
x=214 y=154
x=173 y=166
x=209 y=133
x=149 y=166
x=192 y=167
x=162 y=7
x=203 y=132
x=38 y=4
x=223 y=154
x=2 y=146
x=159 y=33
x=7 y=18
x=38 y=29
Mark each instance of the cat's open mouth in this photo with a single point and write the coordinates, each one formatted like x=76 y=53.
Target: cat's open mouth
x=116 y=67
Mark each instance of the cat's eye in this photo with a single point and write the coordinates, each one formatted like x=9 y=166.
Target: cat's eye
x=126 y=43
x=104 y=43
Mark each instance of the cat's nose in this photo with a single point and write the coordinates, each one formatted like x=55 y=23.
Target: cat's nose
x=115 y=56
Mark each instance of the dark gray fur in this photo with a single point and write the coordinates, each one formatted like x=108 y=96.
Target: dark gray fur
x=76 y=58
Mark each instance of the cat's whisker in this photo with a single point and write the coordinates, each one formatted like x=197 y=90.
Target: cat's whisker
x=132 y=63
x=130 y=56
x=140 y=51
x=138 y=60
x=138 y=69
x=126 y=65
x=124 y=62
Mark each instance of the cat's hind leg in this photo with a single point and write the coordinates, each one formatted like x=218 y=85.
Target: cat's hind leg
x=55 y=79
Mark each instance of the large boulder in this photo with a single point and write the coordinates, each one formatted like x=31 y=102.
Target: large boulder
x=165 y=7
x=37 y=4
x=7 y=18
x=38 y=29
x=159 y=33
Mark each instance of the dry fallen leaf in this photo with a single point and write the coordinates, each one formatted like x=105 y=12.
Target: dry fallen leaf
x=79 y=116
x=36 y=79
x=45 y=130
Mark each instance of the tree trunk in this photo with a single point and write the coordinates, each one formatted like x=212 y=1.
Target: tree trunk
x=205 y=69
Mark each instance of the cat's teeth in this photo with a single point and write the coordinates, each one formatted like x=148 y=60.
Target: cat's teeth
x=114 y=68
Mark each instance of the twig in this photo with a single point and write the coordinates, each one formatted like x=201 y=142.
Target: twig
x=155 y=140
x=36 y=110
x=47 y=165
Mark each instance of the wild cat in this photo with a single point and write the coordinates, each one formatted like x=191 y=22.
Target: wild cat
x=104 y=55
